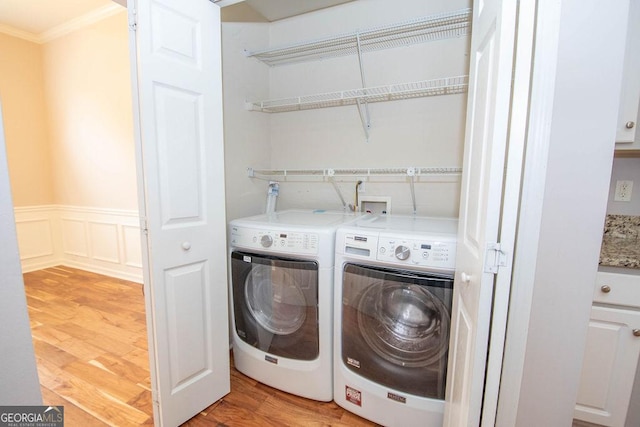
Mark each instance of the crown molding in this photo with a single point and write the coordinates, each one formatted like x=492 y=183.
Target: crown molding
x=66 y=28
x=81 y=22
x=14 y=32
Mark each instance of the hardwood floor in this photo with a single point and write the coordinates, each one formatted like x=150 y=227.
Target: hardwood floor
x=89 y=336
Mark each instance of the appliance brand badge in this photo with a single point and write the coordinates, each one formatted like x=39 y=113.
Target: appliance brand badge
x=246 y=258
x=396 y=397
x=271 y=359
x=353 y=362
x=354 y=396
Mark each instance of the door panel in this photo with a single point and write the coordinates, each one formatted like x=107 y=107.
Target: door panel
x=487 y=122
x=177 y=60
x=179 y=165
x=188 y=328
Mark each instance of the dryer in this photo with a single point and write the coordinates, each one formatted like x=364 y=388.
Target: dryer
x=393 y=297
x=281 y=294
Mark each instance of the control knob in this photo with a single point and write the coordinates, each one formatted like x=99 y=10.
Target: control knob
x=266 y=241
x=402 y=252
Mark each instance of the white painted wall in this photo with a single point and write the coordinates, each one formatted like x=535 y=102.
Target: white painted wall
x=19 y=384
x=420 y=132
x=246 y=134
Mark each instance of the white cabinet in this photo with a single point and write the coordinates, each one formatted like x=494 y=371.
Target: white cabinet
x=612 y=351
x=627 y=135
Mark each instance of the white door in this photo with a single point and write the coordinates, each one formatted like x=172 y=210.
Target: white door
x=178 y=88
x=487 y=123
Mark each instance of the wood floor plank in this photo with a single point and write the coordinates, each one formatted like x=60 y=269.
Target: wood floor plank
x=81 y=349
x=53 y=354
x=73 y=415
x=109 y=383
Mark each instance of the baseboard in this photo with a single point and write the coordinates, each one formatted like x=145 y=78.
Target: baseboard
x=118 y=274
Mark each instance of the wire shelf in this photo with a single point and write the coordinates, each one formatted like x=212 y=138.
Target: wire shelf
x=355 y=173
x=435 y=87
x=436 y=27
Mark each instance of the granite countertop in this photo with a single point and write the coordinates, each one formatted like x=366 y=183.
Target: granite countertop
x=621 y=242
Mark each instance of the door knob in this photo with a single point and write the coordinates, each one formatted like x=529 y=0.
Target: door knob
x=629 y=125
x=186 y=245
x=605 y=288
x=636 y=332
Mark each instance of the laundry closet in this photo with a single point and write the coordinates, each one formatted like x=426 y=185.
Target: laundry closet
x=395 y=156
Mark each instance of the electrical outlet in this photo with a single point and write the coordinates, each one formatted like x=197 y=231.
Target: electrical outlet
x=623 y=191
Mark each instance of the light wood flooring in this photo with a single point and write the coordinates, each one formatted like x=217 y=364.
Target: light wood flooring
x=90 y=341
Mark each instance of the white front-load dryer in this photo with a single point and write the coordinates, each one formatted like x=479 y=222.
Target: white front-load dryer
x=281 y=294
x=392 y=307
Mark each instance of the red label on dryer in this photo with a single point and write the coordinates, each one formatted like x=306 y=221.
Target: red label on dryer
x=354 y=396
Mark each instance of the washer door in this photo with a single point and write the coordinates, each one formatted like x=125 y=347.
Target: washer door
x=395 y=327
x=275 y=304
x=404 y=323
x=275 y=299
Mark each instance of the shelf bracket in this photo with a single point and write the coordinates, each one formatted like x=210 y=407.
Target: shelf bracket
x=363 y=106
x=335 y=187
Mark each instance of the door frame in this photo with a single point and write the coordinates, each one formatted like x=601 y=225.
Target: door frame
x=569 y=148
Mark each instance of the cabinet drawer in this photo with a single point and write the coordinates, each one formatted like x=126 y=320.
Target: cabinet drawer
x=617 y=289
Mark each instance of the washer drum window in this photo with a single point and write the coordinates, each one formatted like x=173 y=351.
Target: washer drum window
x=395 y=327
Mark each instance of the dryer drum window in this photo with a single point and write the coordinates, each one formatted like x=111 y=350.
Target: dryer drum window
x=275 y=299
x=275 y=304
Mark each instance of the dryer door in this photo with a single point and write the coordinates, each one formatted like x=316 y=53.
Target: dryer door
x=395 y=327
x=275 y=304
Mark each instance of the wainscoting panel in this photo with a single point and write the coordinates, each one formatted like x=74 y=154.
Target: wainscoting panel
x=132 y=250
x=37 y=233
x=74 y=237
x=105 y=241
x=105 y=244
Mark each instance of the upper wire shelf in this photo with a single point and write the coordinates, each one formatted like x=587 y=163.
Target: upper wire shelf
x=436 y=27
x=443 y=86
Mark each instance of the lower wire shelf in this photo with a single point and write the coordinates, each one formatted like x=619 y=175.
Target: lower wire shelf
x=437 y=173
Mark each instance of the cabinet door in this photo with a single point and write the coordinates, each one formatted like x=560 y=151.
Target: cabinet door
x=609 y=366
x=627 y=136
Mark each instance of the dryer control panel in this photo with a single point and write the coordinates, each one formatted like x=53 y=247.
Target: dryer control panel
x=423 y=253
x=279 y=241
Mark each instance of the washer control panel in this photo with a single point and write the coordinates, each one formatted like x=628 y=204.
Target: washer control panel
x=424 y=253
x=275 y=240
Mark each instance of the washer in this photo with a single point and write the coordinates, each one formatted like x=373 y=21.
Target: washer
x=393 y=296
x=282 y=276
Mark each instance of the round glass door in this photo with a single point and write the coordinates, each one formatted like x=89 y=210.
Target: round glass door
x=275 y=300
x=404 y=324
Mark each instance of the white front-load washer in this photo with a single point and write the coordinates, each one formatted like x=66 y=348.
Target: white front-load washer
x=393 y=296
x=281 y=293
